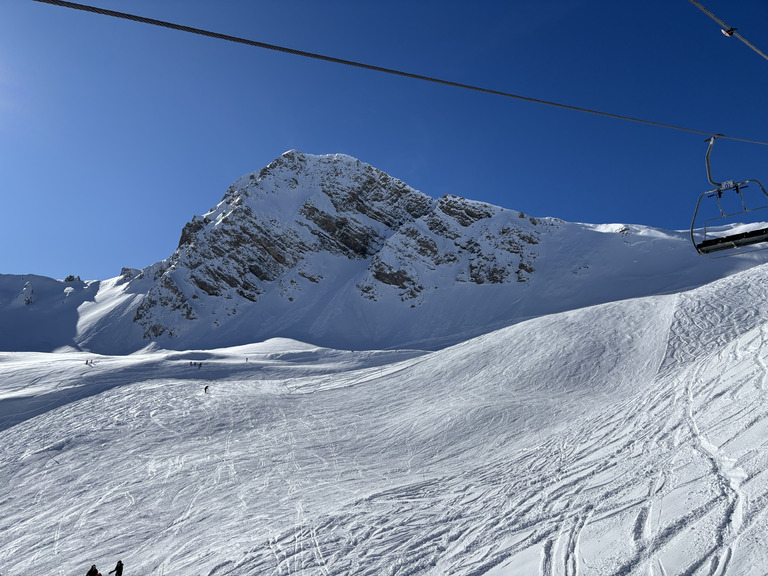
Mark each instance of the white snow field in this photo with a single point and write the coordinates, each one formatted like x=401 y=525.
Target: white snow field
x=622 y=439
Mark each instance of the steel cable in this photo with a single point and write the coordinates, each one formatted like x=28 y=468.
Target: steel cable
x=728 y=30
x=355 y=64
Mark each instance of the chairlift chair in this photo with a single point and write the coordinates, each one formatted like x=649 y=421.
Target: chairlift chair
x=712 y=236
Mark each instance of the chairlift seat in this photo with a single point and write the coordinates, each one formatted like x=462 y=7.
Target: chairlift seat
x=733 y=241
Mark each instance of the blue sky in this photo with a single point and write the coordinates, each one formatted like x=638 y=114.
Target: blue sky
x=113 y=134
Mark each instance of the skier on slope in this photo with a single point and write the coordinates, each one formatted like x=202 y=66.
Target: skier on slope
x=93 y=571
x=118 y=569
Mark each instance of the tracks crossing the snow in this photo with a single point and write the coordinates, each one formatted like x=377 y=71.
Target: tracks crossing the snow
x=622 y=439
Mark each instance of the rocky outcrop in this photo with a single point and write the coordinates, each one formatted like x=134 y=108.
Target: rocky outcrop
x=288 y=229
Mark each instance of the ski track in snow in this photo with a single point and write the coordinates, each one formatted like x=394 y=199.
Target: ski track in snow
x=625 y=439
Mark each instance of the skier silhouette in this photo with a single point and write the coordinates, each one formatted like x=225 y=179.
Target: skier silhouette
x=118 y=569
x=92 y=571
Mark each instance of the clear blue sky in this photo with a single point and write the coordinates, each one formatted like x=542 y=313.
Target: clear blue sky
x=113 y=134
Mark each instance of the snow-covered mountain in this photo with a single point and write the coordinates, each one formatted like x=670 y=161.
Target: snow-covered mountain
x=329 y=250
x=626 y=439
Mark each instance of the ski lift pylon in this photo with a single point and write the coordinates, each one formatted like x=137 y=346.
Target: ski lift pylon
x=727 y=231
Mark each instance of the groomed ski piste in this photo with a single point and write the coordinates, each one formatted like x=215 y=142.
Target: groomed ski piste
x=621 y=439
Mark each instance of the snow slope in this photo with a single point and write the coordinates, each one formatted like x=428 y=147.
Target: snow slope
x=626 y=438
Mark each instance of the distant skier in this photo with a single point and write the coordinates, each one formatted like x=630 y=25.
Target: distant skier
x=205 y=390
x=92 y=571
x=118 y=569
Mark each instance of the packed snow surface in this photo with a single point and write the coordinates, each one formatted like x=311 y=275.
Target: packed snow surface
x=627 y=438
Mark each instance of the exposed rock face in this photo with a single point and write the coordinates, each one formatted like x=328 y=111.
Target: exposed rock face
x=292 y=225
x=461 y=240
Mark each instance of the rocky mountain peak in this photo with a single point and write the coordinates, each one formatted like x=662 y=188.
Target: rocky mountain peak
x=288 y=229
x=269 y=223
x=331 y=251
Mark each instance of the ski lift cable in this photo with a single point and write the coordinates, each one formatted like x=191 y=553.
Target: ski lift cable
x=728 y=30
x=182 y=28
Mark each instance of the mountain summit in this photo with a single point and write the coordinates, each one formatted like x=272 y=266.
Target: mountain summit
x=317 y=239
x=330 y=250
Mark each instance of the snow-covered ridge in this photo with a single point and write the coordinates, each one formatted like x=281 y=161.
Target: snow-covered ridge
x=330 y=250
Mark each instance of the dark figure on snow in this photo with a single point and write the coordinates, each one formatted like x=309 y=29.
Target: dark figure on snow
x=205 y=389
x=92 y=571
x=118 y=569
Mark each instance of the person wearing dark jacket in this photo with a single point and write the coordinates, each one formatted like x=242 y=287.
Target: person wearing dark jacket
x=118 y=569
x=92 y=571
